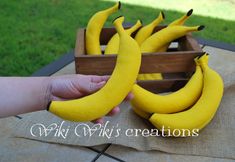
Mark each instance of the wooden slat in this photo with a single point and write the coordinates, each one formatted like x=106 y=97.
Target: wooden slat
x=169 y=62
x=80 y=43
x=189 y=43
x=193 y=43
x=160 y=86
x=106 y=34
x=162 y=62
x=182 y=44
x=180 y=75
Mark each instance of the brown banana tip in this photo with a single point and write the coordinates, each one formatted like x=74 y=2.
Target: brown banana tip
x=200 y=56
x=190 y=12
x=141 y=22
x=203 y=55
x=117 y=18
x=48 y=106
x=163 y=15
x=201 y=27
x=119 y=5
x=151 y=115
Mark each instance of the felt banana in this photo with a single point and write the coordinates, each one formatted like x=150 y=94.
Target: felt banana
x=166 y=35
x=113 y=44
x=171 y=103
x=141 y=36
x=150 y=76
x=182 y=19
x=114 y=91
x=94 y=28
x=141 y=113
x=179 y=21
x=200 y=114
x=147 y=30
x=162 y=47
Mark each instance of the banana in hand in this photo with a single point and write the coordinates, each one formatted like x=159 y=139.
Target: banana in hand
x=124 y=75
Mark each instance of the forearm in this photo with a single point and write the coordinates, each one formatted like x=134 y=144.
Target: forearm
x=20 y=95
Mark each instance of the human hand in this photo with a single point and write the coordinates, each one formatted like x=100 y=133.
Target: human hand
x=76 y=86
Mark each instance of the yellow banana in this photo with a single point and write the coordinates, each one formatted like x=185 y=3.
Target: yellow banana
x=200 y=114
x=141 y=113
x=141 y=36
x=160 y=41
x=171 y=103
x=94 y=28
x=150 y=76
x=141 y=77
x=166 y=35
x=179 y=21
x=182 y=20
x=114 y=91
x=113 y=44
x=147 y=30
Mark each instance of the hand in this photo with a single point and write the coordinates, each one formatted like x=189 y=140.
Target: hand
x=76 y=86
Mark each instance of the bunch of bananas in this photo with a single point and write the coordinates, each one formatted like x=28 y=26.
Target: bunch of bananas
x=191 y=107
x=148 y=42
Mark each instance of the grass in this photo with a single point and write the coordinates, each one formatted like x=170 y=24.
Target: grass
x=34 y=33
x=223 y=9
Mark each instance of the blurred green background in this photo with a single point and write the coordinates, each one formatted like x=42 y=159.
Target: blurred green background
x=33 y=33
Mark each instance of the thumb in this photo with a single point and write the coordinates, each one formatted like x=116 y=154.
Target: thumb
x=96 y=86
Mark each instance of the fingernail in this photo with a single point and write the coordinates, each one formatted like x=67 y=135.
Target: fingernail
x=114 y=111
x=99 y=121
x=101 y=84
x=131 y=96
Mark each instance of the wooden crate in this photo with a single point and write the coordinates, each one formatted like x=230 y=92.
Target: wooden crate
x=176 y=65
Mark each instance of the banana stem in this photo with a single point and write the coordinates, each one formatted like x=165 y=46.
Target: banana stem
x=194 y=28
x=182 y=20
x=134 y=28
x=189 y=13
x=118 y=24
x=159 y=19
x=111 y=10
x=203 y=61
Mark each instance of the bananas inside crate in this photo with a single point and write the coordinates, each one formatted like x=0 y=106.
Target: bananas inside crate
x=176 y=65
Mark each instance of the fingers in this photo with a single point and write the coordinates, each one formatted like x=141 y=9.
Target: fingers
x=55 y=98
x=114 y=111
x=130 y=96
x=98 y=121
x=95 y=86
x=97 y=79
